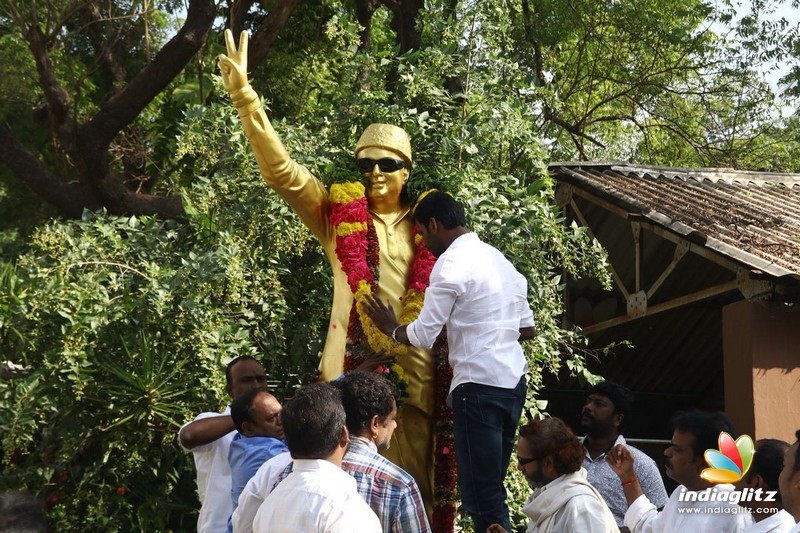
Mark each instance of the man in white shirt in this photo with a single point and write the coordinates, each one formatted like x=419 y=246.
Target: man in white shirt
x=482 y=299
x=209 y=436
x=550 y=457
x=789 y=482
x=690 y=507
x=763 y=499
x=318 y=496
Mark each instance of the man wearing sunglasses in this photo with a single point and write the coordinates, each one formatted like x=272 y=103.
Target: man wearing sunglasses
x=383 y=155
x=550 y=456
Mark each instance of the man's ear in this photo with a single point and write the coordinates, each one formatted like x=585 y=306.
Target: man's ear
x=699 y=463
x=618 y=419
x=247 y=429
x=548 y=466
x=794 y=479
x=344 y=438
x=756 y=481
x=374 y=424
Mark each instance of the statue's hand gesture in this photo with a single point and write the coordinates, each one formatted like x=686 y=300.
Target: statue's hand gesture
x=234 y=65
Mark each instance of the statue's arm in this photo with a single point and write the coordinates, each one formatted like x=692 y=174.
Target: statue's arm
x=305 y=194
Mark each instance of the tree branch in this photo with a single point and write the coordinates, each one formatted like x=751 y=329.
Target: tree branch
x=364 y=11
x=105 y=54
x=268 y=31
x=62 y=128
x=123 y=108
x=70 y=198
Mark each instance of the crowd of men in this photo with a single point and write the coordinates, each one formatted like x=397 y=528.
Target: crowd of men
x=313 y=465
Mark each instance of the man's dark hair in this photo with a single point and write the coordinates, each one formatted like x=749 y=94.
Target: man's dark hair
x=233 y=363
x=313 y=421
x=442 y=207
x=768 y=462
x=620 y=396
x=364 y=395
x=242 y=406
x=705 y=426
x=552 y=437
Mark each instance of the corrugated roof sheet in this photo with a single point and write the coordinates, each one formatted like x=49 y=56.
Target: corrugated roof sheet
x=750 y=217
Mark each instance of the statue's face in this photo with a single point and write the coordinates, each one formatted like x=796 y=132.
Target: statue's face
x=383 y=186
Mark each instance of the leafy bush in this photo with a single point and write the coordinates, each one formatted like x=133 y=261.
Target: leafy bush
x=126 y=324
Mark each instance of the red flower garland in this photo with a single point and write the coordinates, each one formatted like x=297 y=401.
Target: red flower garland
x=358 y=252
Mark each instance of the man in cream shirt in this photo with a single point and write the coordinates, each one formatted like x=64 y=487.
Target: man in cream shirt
x=550 y=457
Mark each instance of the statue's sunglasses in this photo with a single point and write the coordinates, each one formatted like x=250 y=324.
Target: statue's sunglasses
x=386 y=164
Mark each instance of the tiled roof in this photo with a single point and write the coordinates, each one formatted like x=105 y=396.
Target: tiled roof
x=750 y=217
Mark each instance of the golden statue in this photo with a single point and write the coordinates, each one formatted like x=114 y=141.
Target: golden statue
x=385 y=176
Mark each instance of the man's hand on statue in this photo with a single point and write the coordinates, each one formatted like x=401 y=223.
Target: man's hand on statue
x=234 y=65
x=621 y=462
x=381 y=314
x=373 y=361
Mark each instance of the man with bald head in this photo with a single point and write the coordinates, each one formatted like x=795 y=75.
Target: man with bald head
x=259 y=437
x=209 y=437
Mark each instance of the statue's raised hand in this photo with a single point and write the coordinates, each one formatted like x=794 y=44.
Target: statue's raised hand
x=234 y=65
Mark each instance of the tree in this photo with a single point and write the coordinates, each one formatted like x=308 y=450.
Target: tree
x=102 y=71
x=641 y=80
x=125 y=321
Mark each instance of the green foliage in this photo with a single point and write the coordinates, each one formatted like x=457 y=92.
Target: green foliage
x=126 y=324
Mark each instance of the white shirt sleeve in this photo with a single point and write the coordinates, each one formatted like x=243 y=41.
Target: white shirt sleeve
x=526 y=316
x=250 y=500
x=642 y=516
x=440 y=297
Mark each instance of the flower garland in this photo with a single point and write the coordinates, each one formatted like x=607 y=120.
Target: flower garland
x=358 y=252
x=444 y=468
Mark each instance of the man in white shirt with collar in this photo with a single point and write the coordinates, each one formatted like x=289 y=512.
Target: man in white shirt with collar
x=789 y=482
x=482 y=299
x=690 y=507
x=318 y=496
x=605 y=414
x=762 y=478
x=209 y=437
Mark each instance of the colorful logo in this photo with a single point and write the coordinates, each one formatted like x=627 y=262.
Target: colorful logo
x=731 y=462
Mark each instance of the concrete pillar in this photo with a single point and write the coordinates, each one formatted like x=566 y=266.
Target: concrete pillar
x=761 y=355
